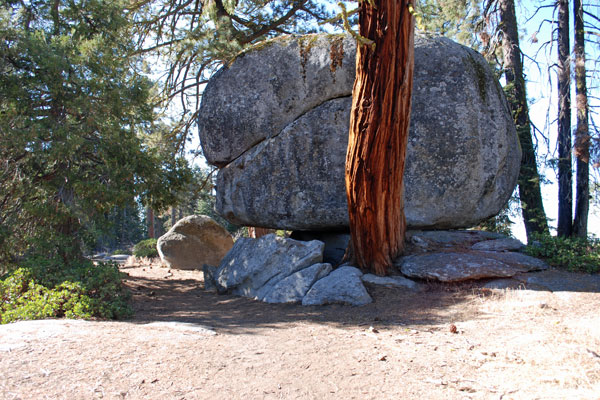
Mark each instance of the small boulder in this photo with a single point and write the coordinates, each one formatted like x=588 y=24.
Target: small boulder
x=194 y=241
x=343 y=286
x=503 y=284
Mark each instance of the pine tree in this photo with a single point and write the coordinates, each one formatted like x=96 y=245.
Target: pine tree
x=73 y=115
x=565 y=173
x=530 y=194
x=582 y=137
x=193 y=39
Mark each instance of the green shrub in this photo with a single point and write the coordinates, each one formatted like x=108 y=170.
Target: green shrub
x=146 y=248
x=574 y=254
x=47 y=289
x=119 y=252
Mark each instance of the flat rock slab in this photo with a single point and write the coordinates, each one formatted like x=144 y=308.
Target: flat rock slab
x=456 y=267
x=504 y=244
x=19 y=334
x=391 y=281
x=344 y=285
x=451 y=238
x=119 y=258
x=183 y=327
x=504 y=283
x=556 y=280
x=518 y=260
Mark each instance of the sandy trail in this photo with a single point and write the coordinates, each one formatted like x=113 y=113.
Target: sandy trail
x=185 y=343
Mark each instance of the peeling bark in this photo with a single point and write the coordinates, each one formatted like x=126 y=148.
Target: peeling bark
x=255 y=232
x=379 y=122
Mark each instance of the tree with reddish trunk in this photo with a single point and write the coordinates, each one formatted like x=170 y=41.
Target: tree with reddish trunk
x=379 y=122
x=150 y=222
x=256 y=232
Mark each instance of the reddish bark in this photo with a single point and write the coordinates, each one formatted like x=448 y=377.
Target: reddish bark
x=255 y=232
x=150 y=222
x=379 y=122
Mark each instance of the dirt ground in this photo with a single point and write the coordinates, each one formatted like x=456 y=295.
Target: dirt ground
x=447 y=342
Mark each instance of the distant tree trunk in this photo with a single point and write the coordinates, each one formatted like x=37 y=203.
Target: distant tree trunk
x=530 y=192
x=565 y=172
x=124 y=224
x=150 y=222
x=582 y=137
x=379 y=122
x=255 y=232
x=173 y=216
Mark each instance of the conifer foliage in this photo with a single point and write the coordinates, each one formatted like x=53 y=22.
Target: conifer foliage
x=73 y=114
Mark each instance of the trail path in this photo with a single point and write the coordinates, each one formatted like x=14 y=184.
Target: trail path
x=185 y=343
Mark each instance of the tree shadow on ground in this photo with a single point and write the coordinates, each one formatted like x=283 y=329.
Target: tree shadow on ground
x=186 y=301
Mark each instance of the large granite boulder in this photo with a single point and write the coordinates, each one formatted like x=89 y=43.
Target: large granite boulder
x=194 y=241
x=276 y=122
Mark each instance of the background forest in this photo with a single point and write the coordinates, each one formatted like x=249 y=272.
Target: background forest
x=98 y=102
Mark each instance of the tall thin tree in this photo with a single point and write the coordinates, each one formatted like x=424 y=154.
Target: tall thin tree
x=380 y=116
x=565 y=172
x=582 y=137
x=530 y=194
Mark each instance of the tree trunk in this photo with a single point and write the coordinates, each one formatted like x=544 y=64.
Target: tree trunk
x=565 y=173
x=255 y=232
x=582 y=137
x=150 y=222
x=530 y=194
x=173 y=216
x=379 y=122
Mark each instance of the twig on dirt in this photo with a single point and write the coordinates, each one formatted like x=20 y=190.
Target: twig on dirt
x=507 y=393
x=593 y=353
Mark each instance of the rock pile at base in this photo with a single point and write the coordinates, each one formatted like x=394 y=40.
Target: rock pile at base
x=280 y=270
x=454 y=256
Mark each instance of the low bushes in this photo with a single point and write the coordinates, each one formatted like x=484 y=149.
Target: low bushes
x=145 y=248
x=574 y=254
x=45 y=289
